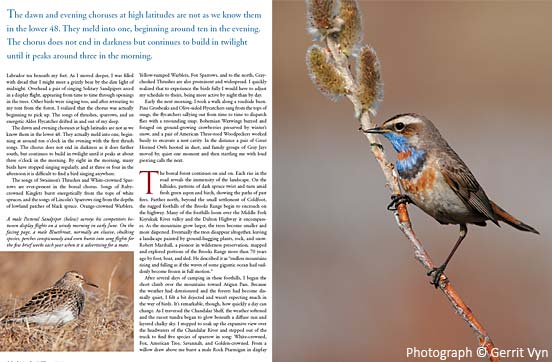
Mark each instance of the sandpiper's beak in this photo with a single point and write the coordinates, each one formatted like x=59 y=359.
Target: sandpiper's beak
x=92 y=284
x=376 y=130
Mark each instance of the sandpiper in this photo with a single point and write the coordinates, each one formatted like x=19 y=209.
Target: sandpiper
x=60 y=304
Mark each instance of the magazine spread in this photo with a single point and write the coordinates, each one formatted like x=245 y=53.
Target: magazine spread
x=404 y=217
x=137 y=170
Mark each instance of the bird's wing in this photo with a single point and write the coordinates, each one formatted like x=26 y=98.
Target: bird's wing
x=41 y=301
x=461 y=180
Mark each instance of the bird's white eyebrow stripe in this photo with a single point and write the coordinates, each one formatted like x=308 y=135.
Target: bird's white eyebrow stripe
x=408 y=118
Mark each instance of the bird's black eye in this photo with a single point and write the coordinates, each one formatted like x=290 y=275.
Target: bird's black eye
x=399 y=126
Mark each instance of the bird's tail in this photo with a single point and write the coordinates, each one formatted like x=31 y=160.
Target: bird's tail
x=502 y=215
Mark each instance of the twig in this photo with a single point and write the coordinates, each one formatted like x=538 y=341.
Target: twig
x=342 y=66
x=458 y=304
x=111 y=279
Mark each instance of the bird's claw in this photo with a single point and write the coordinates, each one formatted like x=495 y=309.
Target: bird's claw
x=437 y=272
x=378 y=145
x=396 y=200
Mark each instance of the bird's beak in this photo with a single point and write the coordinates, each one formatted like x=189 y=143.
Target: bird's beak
x=92 y=284
x=375 y=130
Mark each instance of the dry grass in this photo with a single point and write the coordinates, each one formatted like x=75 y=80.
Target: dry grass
x=106 y=323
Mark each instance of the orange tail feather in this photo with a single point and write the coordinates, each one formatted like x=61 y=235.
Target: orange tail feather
x=502 y=215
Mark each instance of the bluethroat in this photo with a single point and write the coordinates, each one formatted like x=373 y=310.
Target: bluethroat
x=436 y=180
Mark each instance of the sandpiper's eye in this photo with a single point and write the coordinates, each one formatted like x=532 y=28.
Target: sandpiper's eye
x=399 y=126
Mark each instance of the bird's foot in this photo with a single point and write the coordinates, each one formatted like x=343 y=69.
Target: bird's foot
x=378 y=145
x=396 y=200
x=437 y=272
